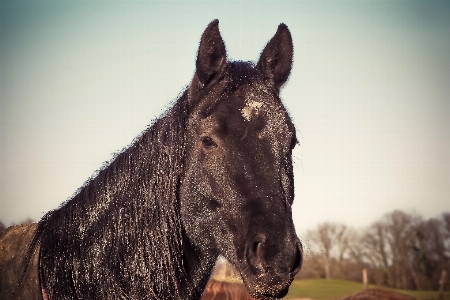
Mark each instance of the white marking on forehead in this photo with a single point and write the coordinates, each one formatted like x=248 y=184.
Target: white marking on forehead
x=252 y=108
x=260 y=101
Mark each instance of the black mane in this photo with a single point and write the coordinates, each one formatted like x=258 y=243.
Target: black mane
x=129 y=206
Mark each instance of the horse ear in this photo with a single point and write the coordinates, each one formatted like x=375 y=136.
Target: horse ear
x=275 y=62
x=212 y=56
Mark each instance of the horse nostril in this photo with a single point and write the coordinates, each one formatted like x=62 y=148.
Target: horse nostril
x=262 y=257
x=255 y=255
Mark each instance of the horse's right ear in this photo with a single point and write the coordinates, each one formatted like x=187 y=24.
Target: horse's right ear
x=212 y=56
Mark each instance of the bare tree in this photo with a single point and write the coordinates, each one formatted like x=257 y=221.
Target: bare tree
x=331 y=243
x=376 y=252
x=387 y=244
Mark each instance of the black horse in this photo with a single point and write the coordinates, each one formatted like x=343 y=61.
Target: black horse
x=212 y=177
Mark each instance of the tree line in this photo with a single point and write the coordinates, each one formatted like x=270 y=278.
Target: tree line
x=400 y=250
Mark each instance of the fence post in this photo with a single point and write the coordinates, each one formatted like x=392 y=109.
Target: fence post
x=442 y=284
x=364 y=275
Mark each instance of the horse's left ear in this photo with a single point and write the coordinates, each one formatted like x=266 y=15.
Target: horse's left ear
x=275 y=62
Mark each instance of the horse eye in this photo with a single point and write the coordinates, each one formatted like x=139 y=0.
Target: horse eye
x=208 y=142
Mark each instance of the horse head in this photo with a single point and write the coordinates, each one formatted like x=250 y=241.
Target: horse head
x=237 y=190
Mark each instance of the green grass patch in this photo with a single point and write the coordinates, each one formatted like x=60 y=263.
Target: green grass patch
x=319 y=289
x=322 y=289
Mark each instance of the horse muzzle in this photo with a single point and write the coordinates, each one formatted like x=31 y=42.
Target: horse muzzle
x=271 y=269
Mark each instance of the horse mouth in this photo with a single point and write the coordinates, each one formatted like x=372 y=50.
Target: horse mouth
x=268 y=287
x=268 y=294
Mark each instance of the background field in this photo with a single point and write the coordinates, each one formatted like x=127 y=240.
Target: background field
x=322 y=289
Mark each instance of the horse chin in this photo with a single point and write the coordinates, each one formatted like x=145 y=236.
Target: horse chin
x=268 y=286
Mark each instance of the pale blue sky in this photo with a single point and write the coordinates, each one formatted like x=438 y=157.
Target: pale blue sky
x=369 y=95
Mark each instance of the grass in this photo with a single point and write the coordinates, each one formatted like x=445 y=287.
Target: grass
x=322 y=289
